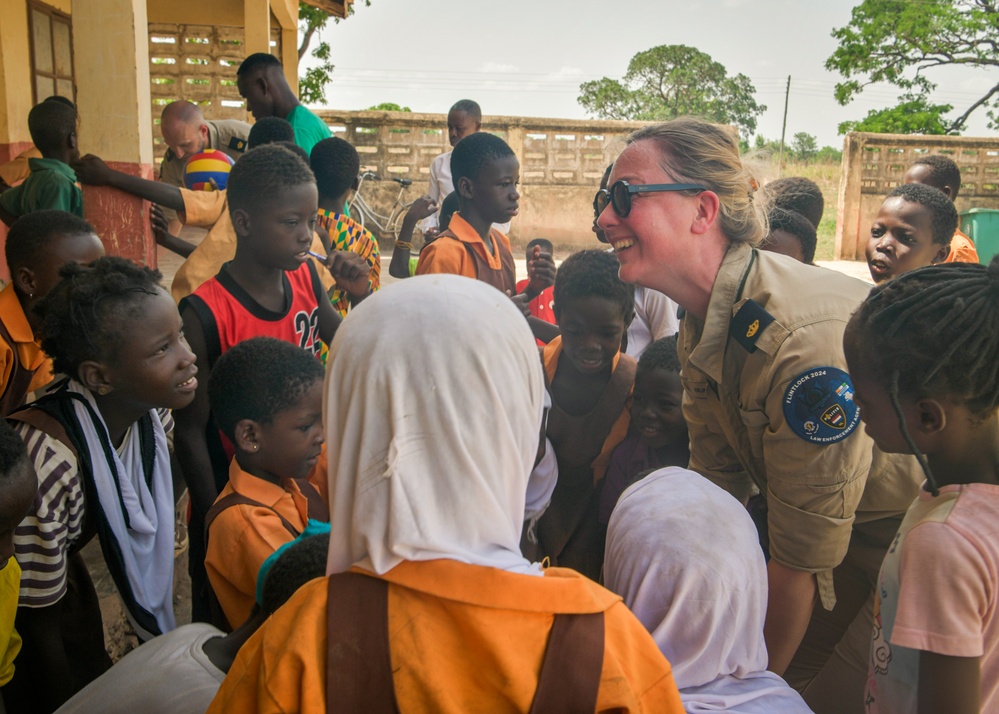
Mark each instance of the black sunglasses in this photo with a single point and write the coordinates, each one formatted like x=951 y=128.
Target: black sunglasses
x=619 y=194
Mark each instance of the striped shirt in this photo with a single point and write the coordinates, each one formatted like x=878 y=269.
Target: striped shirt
x=43 y=540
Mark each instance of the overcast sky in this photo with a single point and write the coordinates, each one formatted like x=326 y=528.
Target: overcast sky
x=528 y=57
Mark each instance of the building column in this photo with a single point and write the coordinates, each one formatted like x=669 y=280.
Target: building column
x=15 y=79
x=256 y=26
x=111 y=52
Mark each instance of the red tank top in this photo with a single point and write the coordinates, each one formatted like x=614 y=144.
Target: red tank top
x=229 y=315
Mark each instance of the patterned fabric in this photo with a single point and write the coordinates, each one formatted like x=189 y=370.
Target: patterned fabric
x=348 y=234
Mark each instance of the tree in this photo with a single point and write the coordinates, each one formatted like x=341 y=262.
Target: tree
x=914 y=116
x=672 y=80
x=388 y=107
x=312 y=84
x=805 y=146
x=901 y=41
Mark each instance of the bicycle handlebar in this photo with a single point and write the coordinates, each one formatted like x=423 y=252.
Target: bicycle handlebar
x=369 y=175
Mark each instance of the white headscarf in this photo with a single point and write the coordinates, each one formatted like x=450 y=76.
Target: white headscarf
x=685 y=557
x=433 y=410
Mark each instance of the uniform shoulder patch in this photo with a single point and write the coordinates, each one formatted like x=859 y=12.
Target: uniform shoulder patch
x=237 y=144
x=819 y=406
x=748 y=324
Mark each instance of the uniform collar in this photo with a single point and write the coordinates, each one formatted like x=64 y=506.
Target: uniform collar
x=709 y=354
x=559 y=591
x=14 y=318
x=52 y=165
x=267 y=493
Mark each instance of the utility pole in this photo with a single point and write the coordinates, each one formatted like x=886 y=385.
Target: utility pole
x=783 y=129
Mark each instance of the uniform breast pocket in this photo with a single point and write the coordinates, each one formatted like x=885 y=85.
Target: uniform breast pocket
x=756 y=423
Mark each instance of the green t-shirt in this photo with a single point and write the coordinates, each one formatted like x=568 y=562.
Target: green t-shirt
x=52 y=184
x=309 y=129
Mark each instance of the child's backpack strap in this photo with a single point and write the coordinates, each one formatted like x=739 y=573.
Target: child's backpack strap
x=16 y=390
x=359 y=664
x=570 y=672
x=318 y=510
x=238 y=499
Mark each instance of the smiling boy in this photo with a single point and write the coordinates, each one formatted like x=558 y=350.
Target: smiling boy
x=486 y=174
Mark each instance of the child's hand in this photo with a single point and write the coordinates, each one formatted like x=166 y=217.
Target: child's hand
x=540 y=272
x=521 y=302
x=350 y=271
x=92 y=170
x=423 y=207
x=159 y=223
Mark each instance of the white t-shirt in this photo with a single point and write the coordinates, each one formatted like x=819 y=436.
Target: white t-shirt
x=655 y=318
x=170 y=674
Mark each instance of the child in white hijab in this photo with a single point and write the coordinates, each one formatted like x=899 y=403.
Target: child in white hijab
x=685 y=557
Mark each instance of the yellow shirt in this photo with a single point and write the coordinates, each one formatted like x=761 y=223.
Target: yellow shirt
x=10 y=641
x=208 y=209
x=462 y=638
x=241 y=538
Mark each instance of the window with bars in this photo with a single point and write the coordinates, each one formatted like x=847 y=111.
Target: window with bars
x=51 y=52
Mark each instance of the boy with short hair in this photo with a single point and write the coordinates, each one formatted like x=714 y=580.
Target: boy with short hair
x=38 y=245
x=336 y=164
x=913 y=229
x=486 y=173
x=261 y=82
x=52 y=183
x=791 y=234
x=797 y=193
x=590 y=382
x=943 y=174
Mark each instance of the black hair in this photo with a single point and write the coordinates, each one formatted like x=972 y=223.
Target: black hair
x=471 y=154
x=593 y=272
x=31 y=235
x=933 y=332
x=936 y=202
x=449 y=206
x=470 y=108
x=295 y=149
x=13 y=452
x=50 y=124
x=943 y=172
x=336 y=165
x=797 y=193
x=88 y=313
x=546 y=245
x=257 y=59
x=263 y=172
x=270 y=130
x=65 y=100
x=298 y=564
x=661 y=354
x=797 y=225
x=257 y=379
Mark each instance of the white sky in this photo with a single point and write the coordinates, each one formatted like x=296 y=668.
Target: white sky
x=528 y=57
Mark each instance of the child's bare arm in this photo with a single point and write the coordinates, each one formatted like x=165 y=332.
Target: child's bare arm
x=163 y=236
x=544 y=331
x=422 y=207
x=91 y=170
x=329 y=321
x=949 y=684
x=541 y=273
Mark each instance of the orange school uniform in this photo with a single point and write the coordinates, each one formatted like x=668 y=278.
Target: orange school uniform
x=962 y=250
x=21 y=353
x=462 y=638
x=209 y=209
x=461 y=251
x=242 y=537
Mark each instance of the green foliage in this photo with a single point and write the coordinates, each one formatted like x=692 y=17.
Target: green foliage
x=805 y=146
x=829 y=155
x=388 y=107
x=899 y=41
x=312 y=84
x=913 y=116
x=670 y=81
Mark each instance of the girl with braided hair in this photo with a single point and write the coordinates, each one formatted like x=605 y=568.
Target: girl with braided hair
x=923 y=352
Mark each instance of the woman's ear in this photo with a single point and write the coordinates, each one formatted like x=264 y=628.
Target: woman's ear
x=247 y=433
x=95 y=376
x=707 y=212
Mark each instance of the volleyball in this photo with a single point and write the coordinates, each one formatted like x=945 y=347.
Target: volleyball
x=209 y=164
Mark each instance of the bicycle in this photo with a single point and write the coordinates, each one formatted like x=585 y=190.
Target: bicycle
x=361 y=210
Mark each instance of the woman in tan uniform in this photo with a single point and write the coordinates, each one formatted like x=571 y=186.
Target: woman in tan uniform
x=766 y=395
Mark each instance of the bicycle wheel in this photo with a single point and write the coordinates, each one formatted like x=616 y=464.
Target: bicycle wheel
x=397 y=224
x=357 y=211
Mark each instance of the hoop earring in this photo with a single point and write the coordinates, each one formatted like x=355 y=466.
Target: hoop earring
x=103 y=391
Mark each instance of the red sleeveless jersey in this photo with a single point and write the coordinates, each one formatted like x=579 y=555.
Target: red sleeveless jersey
x=229 y=315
